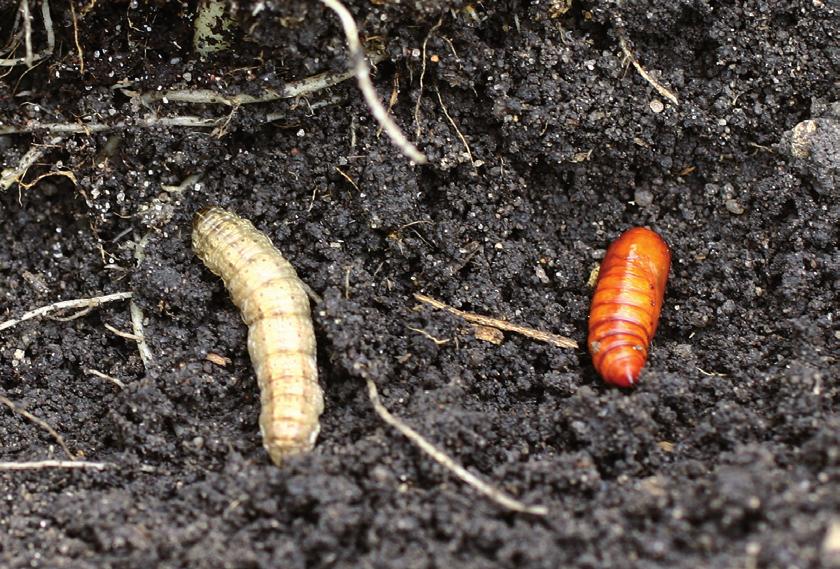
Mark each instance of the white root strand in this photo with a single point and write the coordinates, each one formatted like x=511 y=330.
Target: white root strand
x=196 y=96
x=362 y=73
x=31 y=58
x=48 y=464
x=137 y=317
x=15 y=174
x=290 y=90
x=106 y=377
x=65 y=304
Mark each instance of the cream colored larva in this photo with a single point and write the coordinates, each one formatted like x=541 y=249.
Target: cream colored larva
x=281 y=341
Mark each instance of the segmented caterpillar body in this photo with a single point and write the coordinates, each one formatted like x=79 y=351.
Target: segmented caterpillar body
x=281 y=340
x=627 y=303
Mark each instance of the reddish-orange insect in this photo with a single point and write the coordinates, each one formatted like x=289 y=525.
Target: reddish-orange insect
x=626 y=306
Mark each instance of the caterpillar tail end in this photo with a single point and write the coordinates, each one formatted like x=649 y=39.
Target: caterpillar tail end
x=280 y=453
x=626 y=375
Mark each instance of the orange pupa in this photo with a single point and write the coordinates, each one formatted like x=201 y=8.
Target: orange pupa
x=627 y=304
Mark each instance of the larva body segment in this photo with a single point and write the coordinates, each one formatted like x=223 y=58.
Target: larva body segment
x=281 y=340
x=627 y=303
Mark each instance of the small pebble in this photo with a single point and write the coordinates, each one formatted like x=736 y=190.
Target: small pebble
x=683 y=351
x=643 y=198
x=734 y=207
x=657 y=106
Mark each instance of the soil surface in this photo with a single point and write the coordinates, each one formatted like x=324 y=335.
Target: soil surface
x=726 y=455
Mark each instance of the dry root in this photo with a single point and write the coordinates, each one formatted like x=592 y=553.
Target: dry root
x=32 y=58
x=362 y=73
x=499 y=497
x=660 y=88
x=40 y=422
x=49 y=464
x=79 y=303
x=556 y=339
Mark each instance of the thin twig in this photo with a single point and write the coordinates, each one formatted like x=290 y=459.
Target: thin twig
x=14 y=37
x=121 y=334
x=14 y=174
x=139 y=335
x=455 y=126
x=362 y=73
x=186 y=121
x=660 y=88
x=436 y=341
x=200 y=96
x=146 y=355
x=347 y=282
x=45 y=464
x=30 y=59
x=556 y=339
x=348 y=178
x=90 y=128
x=27 y=31
x=76 y=37
x=64 y=304
x=10 y=176
x=40 y=422
x=392 y=100
x=498 y=496
x=710 y=373
x=313 y=296
x=74 y=316
x=51 y=174
x=290 y=90
x=48 y=27
x=422 y=76
x=106 y=377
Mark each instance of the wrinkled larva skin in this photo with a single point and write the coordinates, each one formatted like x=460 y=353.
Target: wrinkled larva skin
x=281 y=341
x=626 y=305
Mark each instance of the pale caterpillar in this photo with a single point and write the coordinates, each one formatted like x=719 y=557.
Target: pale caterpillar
x=281 y=341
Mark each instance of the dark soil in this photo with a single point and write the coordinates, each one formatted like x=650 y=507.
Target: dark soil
x=726 y=455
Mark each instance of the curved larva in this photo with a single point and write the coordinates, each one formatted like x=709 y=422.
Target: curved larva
x=627 y=303
x=281 y=341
